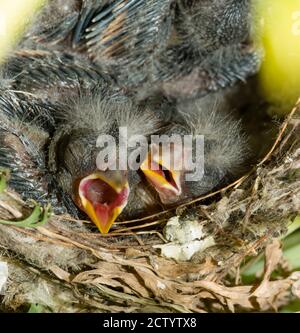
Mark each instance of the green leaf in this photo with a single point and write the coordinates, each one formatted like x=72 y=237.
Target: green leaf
x=291 y=251
x=295 y=225
x=36 y=308
x=292 y=307
x=4 y=175
x=38 y=217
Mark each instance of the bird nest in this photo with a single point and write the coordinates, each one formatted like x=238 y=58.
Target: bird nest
x=159 y=263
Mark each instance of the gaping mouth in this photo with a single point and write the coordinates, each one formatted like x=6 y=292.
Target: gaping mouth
x=165 y=180
x=102 y=200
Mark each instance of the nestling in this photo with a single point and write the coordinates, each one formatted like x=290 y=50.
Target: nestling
x=217 y=151
x=181 y=48
x=61 y=165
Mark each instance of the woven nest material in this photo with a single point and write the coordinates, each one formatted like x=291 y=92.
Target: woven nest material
x=66 y=267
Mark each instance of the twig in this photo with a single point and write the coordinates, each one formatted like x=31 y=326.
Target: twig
x=281 y=133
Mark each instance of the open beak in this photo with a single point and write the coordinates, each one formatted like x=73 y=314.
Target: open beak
x=165 y=180
x=103 y=196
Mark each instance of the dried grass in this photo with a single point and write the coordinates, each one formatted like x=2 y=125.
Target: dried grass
x=67 y=266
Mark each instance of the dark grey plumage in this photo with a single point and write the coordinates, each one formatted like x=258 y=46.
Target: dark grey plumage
x=213 y=47
x=206 y=25
x=54 y=23
x=40 y=70
x=225 y=144
x=25 y=128
x=181 y=48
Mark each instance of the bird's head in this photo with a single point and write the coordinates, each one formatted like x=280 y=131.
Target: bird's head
x=161 y=168
x=204 y=149
x=89 y=155
x=96 y=190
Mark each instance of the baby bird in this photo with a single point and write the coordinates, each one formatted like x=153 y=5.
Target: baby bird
x=26 y=124
x=70 y=166
x=181 y=48
x=213 y=47
x=206 y=149
x=95 y=173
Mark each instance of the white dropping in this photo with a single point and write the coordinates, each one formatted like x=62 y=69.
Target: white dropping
x=186 y=239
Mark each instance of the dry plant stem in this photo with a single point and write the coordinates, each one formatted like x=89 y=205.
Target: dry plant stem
x=281 y=133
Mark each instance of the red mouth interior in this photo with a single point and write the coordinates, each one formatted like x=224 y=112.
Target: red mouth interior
x=99 y=192
x=103 y=198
